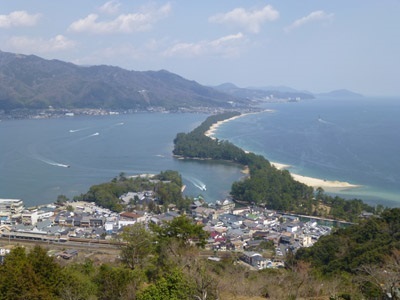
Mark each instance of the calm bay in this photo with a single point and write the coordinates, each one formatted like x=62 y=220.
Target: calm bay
x=43 y=158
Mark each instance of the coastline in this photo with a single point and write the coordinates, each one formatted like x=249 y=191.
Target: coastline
x=213 y=128
x=328 y=185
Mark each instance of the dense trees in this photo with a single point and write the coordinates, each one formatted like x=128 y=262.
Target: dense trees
x=167 y=187
x=265 y=184
x=164 y=262
x=31 y=275
x=138 y=247
x=369 y=242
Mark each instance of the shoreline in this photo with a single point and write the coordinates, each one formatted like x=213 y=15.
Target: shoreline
x=327 y=185
x=213 y=128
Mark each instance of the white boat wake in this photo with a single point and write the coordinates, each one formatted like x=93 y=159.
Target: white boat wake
x=197 y=183
x=53 y=163
x=324 y=122
x=77 y=130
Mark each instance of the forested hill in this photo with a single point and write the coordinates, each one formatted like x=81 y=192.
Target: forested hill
x=30 y=82
x=266 y=185
x=368 y=243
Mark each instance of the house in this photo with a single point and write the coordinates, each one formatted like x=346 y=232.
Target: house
x=254 y=259
x=29 y=217
x=126 y=198
x=11 y=208
x=68 y=254
x=133 y=216
x=292 y=227
x=203 y=212
x=304 y=240
x=226 y=205
x=252 y=244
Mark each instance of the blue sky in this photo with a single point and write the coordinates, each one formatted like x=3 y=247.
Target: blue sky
x=308 y=45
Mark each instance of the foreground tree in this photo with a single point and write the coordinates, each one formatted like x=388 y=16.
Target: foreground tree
x=172 y=286
x=114 y=282
x=139 y=247
x=32 y=276
x=380 y=280
x=183 y=230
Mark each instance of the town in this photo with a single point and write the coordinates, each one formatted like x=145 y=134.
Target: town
x=261 y=237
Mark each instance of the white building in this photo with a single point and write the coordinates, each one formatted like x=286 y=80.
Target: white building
x=11 y=207
x=29 y=217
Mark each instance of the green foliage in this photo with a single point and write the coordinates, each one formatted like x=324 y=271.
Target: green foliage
x=347 y=249
x=34 y=82
x=265 y=184
x=168 y=190
x=61 y=199
x=173 y=286
x=181 y=229
x=139 y=245
x=29 y=276
x=78 y=282
x=113 y=282
x=196 y=145
x=170 y=175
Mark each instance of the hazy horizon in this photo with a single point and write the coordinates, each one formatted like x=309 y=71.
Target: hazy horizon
x=316 y=46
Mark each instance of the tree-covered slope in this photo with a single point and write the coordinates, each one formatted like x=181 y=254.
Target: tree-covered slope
x=369 y=242
x=28 y=81
x=265 y=185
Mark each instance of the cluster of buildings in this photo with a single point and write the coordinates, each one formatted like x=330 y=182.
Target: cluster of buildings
x=250 y=230
x=247 y=230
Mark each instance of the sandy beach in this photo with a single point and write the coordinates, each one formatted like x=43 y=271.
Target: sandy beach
x=327 y=185
x=210 y=132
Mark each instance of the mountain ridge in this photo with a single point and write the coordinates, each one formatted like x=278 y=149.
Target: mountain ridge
x=263 y=94
x=340 y=93
x=31 y=82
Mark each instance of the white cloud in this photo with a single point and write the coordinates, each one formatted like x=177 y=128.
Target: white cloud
x=251 y=20
x=318 y=15
x=227 y=46
x=18 y=19
x=124 y=23
x=39 y=45
x=110 y=7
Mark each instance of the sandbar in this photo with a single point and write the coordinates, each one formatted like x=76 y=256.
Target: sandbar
x=213 y=128
x=328 y=185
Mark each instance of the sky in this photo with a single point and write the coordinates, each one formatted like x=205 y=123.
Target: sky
x=312 y=45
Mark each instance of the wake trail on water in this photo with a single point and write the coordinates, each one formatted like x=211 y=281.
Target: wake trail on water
x=197 y=183
x=325 y=122
x=114 y=125
x=53 y=163
x=77 y=130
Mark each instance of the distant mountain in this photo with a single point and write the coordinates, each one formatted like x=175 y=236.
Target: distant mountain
x=28 y=81
x=263 y=94
x=343 y=93
x=279 y=88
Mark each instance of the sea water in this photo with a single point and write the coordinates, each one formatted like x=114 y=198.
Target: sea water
x=356 y=141
x=41 y=159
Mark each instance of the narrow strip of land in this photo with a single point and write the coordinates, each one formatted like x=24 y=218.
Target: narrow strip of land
x=328 y=185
